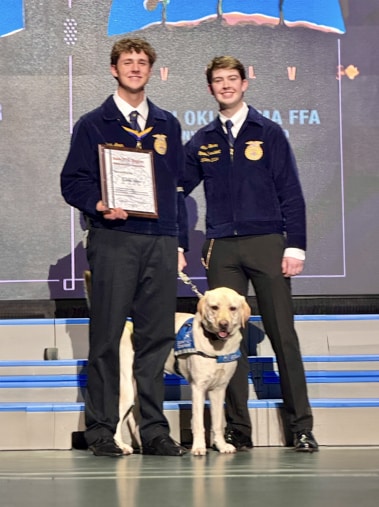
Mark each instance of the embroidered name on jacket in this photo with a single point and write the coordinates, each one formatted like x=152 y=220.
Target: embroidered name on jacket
x=184 y=344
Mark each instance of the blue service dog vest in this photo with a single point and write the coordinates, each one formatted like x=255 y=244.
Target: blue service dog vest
x=184 y=344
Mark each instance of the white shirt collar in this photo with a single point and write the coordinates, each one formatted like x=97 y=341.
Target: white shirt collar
x=126 y=109
x=238 y=118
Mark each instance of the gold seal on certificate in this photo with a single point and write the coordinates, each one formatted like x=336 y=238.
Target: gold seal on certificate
x=127 y=180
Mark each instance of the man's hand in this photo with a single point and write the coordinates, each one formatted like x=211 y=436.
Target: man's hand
x=182 y=263
x=111 y=213
x=291 y=266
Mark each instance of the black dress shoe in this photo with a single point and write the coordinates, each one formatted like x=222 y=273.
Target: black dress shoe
x=305 y=441
x=105 y=447
x=240 y=441
x=163 y=445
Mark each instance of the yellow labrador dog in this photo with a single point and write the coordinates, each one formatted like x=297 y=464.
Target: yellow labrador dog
x=205 y=354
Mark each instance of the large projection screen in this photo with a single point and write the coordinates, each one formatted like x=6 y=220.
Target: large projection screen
x=312 y=67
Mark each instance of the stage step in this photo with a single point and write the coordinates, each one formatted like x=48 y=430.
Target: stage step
x=30 y=339
x=339 y=376
x=65 y=380
x=41 y=401
x=51 y=410
x=33 y=426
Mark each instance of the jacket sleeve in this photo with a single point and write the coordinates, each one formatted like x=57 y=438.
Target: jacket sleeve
x=193 y=174
x=289 y=191
x=182 y=220
x=80 y=176
x=182 y=216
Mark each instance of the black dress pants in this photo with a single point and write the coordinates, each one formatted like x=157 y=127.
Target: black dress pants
x=233 y=262
x=133 y=275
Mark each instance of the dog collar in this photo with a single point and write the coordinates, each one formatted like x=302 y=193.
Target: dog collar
x=184 y=344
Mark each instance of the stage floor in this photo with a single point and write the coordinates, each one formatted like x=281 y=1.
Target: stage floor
x=265 y=476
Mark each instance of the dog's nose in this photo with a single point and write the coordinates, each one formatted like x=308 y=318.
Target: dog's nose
x=223 y=325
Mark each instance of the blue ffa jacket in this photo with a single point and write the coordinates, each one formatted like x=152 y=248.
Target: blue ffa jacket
x=254 y=191
x=80 y=177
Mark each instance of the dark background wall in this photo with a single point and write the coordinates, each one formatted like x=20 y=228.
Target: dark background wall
x=313 y=69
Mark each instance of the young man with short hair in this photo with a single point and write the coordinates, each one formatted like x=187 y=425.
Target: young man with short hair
x=256 y=231
x=134 y=260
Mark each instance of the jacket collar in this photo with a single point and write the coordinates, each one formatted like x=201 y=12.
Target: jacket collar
x=252 y=117
x=111 y=112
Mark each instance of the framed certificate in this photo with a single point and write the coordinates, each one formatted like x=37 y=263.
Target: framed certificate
x=128 y=180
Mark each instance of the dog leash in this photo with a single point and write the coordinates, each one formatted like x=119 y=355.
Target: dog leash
x=185 y=279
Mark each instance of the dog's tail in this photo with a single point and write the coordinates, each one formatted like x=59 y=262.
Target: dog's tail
x=88 y=287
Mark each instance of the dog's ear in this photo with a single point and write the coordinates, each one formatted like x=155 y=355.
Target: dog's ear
x=200 y=305
x=245 y=312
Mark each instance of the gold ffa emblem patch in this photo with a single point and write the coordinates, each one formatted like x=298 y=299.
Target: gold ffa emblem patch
x=160 y=144
x=253 y=150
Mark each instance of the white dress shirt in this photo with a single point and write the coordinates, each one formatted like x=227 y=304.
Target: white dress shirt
x=126 y=109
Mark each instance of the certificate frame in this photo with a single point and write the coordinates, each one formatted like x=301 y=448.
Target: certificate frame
x=128 y=180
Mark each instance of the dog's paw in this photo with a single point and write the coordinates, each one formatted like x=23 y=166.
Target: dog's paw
x=126 y=448
x=224 y=448
x=198 y=451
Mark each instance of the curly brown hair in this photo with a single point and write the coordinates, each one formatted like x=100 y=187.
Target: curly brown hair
x=128 y=45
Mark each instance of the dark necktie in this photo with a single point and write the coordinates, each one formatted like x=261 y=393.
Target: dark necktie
x=229 y=125
x=133 y=121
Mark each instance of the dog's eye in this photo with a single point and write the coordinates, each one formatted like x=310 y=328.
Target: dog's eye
x=233 y=308
x=214 y=307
